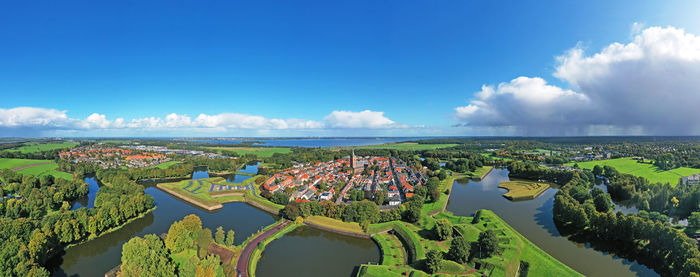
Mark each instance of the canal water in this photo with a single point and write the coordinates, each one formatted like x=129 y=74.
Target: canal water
x=534 y=220
x=95 y=257
x=312 y=252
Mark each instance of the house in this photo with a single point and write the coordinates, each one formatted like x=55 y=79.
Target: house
x=394 y=200
x=690 y=180
x=325 y=196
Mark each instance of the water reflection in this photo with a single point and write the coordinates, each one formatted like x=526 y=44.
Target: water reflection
x=312 y=252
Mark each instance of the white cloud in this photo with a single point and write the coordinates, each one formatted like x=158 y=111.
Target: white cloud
x=34 y=121
x=34 y=117
x=363 y=119
x=650 y=84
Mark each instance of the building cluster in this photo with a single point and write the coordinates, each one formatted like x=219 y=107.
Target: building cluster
x=335 y=180
x=112 y=157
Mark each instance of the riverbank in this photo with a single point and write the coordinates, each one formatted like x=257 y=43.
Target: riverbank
x=481 y=172
x=113 y=229
x=352 y=229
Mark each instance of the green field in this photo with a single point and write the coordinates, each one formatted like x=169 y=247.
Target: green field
x=31 y=147
x=523 y=190
x=494 y=157
x=412 y=146
x=166 y=164
x=6 y=163
x=38 y=170
x=259 y=151
x=392 y=250
x=649 y=171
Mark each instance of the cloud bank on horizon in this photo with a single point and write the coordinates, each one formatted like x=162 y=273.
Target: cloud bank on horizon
x=23 y=121
x=649 y=86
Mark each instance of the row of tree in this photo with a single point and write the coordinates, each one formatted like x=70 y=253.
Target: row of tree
x=671 y=251
x=31 y=235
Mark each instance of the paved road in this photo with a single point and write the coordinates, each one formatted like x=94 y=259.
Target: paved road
x=242 y=263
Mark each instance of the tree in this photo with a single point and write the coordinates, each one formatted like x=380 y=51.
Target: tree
x=434 y=195
x=230 y=237
x=598 y=170
x=487 y=244
x=279 y=198
x=380 y=197
x=442 y=229
x=459 y=250
x=412 y=213
x=432 y=261
x=694 y=220
x=220 y=236
x=602 y=202
x=442 y=175
x=204 y=240
x=146 y=257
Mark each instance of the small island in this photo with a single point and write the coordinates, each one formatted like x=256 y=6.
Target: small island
x=523 y=190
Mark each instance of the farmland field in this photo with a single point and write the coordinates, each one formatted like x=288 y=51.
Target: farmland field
x=14 y=163
x=649 y=171
x=38 y=170
x=260 y=151
x=32 y=147
x=407 y=146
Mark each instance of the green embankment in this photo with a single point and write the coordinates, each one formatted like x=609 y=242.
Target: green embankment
x=646 y=170
x=334 y=224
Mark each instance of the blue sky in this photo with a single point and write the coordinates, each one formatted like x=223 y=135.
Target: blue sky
x=409 y=62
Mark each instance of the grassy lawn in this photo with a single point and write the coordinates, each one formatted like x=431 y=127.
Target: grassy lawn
x=413 y=146
x=515 y=248
x=31 y=147
x=494 y=157
x=6 y=163
x=166 y=164
x=438 y=206
x=481 y=172
x=523 y=190
x=180 y=258
x=196 y=190
x=259 y=151
x=392 y=250
x=46 y=169
x=649 y=171
x=39 y=170
x=328 y=222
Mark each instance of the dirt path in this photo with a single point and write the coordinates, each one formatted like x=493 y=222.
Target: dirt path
x=29 y=165
x=242 y=263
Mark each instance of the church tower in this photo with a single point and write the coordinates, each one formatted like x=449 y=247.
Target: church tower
x=353 y=159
